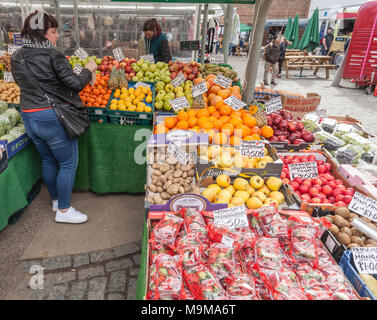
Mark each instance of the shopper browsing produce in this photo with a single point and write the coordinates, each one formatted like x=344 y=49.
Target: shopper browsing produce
x=39 y=69
x=154 y=42
x=271 y=57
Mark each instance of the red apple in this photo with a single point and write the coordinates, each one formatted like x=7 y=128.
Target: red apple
x=321 y=196
x=324 y=180
x=307 y=183
x=337 y=181
x=304 y=189
x=347 y=199
x=313 y=192
x=315 y=200
x=317 y=181
x=328 y=166
x=304 y=159
x=339 y=197
x=295 y=185
x=349 y=192
x=326 y=201
x=341 y=187
x=327 y=190
x=340 y=204
x=305 y=197
x=298 y=180
x=331 y=199
x=300 y=126
x=322 y=168
x=311 y=158
x=283 y=175
x=292 y=126
x=298 y=193
x=318 y=186
x=336 y=192
x=286 y=181
x=332 y=184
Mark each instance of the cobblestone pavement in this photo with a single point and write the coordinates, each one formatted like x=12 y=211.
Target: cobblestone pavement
x=100 y=275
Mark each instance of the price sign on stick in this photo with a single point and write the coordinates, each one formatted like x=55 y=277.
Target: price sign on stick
x=365 y=259
x=199 y=89
x=273 y=105
x=81 y=53
x=8 y=77
x=303 y=170
x=234 y=217
x=253 y=148
x=178 y=80
x=77 y=69
x=216 y=58
x=364 y=206
x=148 y=57
x=118 y=54
x=223 y=81
x=179 y=103
x=178 y=153
x=235 y=103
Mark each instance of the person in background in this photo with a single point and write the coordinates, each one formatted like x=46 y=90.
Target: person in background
x=326 y=42
x=347 y=44
x=39 y=68
x=154 y=42
x=271 y=57
x=283 y=44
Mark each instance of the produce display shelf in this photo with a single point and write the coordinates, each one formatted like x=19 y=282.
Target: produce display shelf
x=98 y=114
x=133 y=117
x=350 y=271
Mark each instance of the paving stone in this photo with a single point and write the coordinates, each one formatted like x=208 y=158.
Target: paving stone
x=58 y=292
x=91 y=272
x=40 y=294
x=134 y=272
x=118 y=265
x=61 y=277
x=118 y=281
x=136 y=259
x=78 y=290
x=115 y=296
x=80 y=260
x=97 y=288
x=56 y=263
x=126 y=249
x=101 y=255
x=131 y=292
x=26 y=264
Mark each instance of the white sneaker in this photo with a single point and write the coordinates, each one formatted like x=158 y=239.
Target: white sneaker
x=71 y=216
x=54 y=205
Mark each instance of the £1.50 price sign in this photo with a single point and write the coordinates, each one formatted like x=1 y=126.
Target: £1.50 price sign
x=234 y=217
x=252 y=148
x=303 y=170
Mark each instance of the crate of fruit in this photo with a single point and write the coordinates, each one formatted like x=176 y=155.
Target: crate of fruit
x=97 y=114
x=133 y=105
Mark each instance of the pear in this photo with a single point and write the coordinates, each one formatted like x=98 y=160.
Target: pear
x=254 y=203
x=260 y=195
x=223 y=180
x=243 y=194
x=209 y=194
x=278 y=196
x=240 y=184
x=237 y=201
x=274 y=183
x=265 y=190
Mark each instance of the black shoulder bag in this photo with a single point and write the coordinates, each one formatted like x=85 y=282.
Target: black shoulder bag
x=74 y=119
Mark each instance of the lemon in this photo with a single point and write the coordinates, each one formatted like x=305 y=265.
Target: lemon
x=148 y=109
x=132 y=97
x=123 y=90
x=138 y=91
x=122 y=107
x=123 y=96
x=131 y=90
x=113 y=107
x=148 y=99
x=117 y=93
x=135 y=102
x=144 y=90
x=140 y=109
x=132 y=108
x=128 y=104
x=141 y=105
x=114 y=101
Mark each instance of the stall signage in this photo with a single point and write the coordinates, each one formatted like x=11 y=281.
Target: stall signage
x=148 y=57
x=253 y=148
x=223 y=81
x=273 y=105
x=141 y=84
x=364 y=206
x=8 y=77
x=235 y=103
x=321 y=113
x=81 y=53
x=216 y=58
x=178 y=80
x=12 y=49
x=77 y=69
x=365 y=259
x=179 y=103
x=234 y=217
x=189 y=45
x=199 y=89
x=303 y=170
x=118 y=54
x=177 y=152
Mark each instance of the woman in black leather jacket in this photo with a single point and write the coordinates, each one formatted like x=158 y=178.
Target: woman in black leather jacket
x=38 y=68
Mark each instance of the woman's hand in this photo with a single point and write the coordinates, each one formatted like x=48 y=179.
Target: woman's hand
x=91 y=65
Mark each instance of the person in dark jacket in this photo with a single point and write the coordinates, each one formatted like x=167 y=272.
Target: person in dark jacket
x=283 y=44
x=271 y=57
x=39 y=69
x=326 y=42
x=154 y=42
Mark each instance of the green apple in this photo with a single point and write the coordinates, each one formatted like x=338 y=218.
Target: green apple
x=166 y=79
x=162 y=93
x=98 y=61
x=135 y=78
x=135 y=67
x=191 y=101
x=148 y=74
x=189 y=96
x=153 y=68
x=146 y=79
x=167 y=106
x=157 y=78
x=144 y=67
x=179 y=94
x=169 y=88
x=170 y=95
x=140 y=74
x=160 y=65
x=159 y=104
x=160 y=83
x=140 y=62
x=159 y=97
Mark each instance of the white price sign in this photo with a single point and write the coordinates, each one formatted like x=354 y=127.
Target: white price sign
x=77 y=69
x=365 y=259
x=8 y=77
x=178 y=153
x=321 y=113
x=2 y=53
x=303 y=170
x=234 y=217
x=141 y=84
x=178 y=80
x=179 y=103
x=148 y=57
x=216 y=58
x=273 y=105
x=12 y=49
x=81 y=53
x=118 y=54
x=253 y=148
x=199 y=89
x=364 y=206
x=223 y=81
x=235 y=103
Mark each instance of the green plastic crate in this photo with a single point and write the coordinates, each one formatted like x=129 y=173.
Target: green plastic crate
x=98 y=115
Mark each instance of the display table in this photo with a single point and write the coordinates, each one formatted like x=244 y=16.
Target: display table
x=23 y=171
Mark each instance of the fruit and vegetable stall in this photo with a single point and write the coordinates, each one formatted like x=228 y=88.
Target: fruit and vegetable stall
x=274 y=200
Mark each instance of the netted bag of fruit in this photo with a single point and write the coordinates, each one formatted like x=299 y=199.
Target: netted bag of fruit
x=241 y=287
x=268 y=253
x=194 y=222
x=166 y=230
x=271 y=223
x=189 y=250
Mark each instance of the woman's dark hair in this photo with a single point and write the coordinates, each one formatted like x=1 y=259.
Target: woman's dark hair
x=33 y=28
x=150 y=25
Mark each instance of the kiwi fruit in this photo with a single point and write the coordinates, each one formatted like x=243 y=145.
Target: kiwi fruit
x=353 y=215
x=372 y=242
x=343 y=212
x=356 y=239
x=346 y=230
x=340 y=221
x=351 y=245
x=356 y=232
x=334 y=230
x=343 y=238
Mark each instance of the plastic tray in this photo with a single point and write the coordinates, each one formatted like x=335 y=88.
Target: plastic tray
x=133 y=117
x=98 y=114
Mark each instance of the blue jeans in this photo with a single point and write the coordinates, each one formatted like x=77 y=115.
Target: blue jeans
x=59 y=153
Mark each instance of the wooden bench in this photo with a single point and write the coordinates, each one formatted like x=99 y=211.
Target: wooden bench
x=301 y=62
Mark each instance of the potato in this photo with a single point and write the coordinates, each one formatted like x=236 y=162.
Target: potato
x=329 y=218
x=346 y=230
x=353 y=215
x=163 y=179
x=343 y=212
x=372 y=242
x=356 y=232
x=178 y=173
x=343 y=238
x=351 y=245
x=160 y=190
x=340 y=221
x=152 y=188
x=334 y=230
x=356 y=239
x=165 y=196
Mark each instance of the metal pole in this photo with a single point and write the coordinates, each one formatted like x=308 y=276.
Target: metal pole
x=59 y=18
x=204 y=34
x=76 y=20
x=197 y=31
x=228 y=22
x=261 y=11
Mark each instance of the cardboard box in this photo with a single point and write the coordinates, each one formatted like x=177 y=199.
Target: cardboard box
x=299 y=106
x=3 y=159
x=16 y=145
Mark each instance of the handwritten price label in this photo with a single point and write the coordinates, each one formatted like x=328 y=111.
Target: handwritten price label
x=178 y=80
x=141 y=84
x=12 y=49
x=118 y=54
x=223 y=81
x=8 y=77
x=273 y=105
x=179 y=103
x=216 y=58
x=199 y=89
x=181 y=155
x=77 y=69
x=234 y=217
x=303 y=170
x=148 y=57
x=81 y=53
x=364 y=206
x=365 y=259
x=252 y=148
x=235 y=103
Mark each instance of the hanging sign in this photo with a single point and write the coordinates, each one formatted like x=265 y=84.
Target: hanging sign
x=12 y=49
x=77 y=69
x=235 y=103
x=141 y=84
x=118 y=54
x=223 y=81
x=364 y=206
x=365 y=259
x=199 y=89
x=273 y=105
x=303 y=170
x=81 y=53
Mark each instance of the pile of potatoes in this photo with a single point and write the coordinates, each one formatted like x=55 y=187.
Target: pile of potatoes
x=5 y=60
x=9 y=92
x=345 y=233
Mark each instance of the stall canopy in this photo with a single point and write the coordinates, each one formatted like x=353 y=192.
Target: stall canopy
x=245 y=28
x=310 y=38
x=294 y=37
x=288 y=28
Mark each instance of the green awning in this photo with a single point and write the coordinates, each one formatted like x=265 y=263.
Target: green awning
x=245 y=28
x=288 y=28
x=294 y=36
x=310 y=38
x=193 y=1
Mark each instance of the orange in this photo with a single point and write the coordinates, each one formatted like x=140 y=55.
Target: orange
x=249 y=120
x=215 y=89
x=234 y=140
x=218 y=124
x=193 y=121
x=225 y=110
x=237 y=95
x=228 y=129
x=198 y=80
x=216 y=114
x=224 y=119
x=235 y=89
x=211 y=109
x=248 y=138
x=253 y=109
x=202 y=113
x=242 y=131
x=219 y=104
x=256 y=130
x=182 y=115
x=220 y=138
x=191 y=113
x=170 y=122
x=195 y=128
x=206 y=124
x=224 y=93
x=211 y=96
x=267 y=131
x=235 y=121
x=210 y=78
x=255 y=136
x=235 y=114
x=182 y=124
x=212 y=119
x=214 y=100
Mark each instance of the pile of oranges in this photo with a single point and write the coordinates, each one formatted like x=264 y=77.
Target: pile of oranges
x=97 y=95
